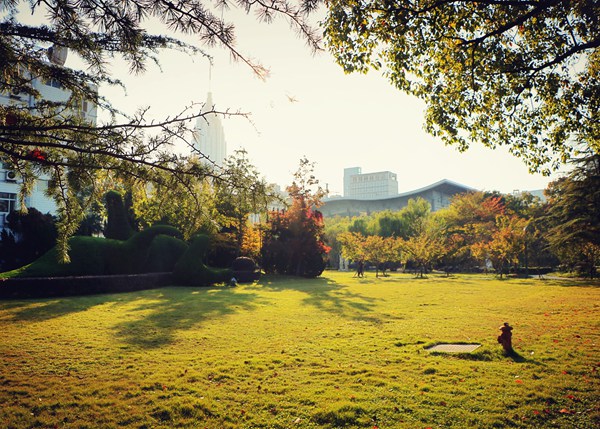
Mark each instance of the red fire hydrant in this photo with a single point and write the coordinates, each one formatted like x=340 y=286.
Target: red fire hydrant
x=505 y=337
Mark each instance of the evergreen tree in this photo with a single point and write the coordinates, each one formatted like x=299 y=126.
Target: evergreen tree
x=27 y=237
x=117 y=225
x=573 y=215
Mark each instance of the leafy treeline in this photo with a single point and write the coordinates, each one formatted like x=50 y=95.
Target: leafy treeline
x=484 y=230
x=477 y=231
x=219 y=222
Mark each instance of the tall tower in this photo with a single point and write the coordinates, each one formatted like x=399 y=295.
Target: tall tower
x=209 y=137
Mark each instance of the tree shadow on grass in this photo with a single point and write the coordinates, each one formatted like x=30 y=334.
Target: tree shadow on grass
x=160 y=315
x=153 y=316
x=326 y=295
x=39 y=310
x=562 y=282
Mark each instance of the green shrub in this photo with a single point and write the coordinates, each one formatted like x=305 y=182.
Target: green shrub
x=131 y=256
x=245 y=270
x=243 y=263
x=117 y=225
x=100 y=256
x=190 y=270
x=163 y=254
x=222 y=251
x=87 y=258
x=142 y=239
x=29 y=236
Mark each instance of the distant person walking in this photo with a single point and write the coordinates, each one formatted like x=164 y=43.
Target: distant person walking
x=360 y=269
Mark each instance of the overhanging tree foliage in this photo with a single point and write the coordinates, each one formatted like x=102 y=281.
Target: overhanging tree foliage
x=53 y=139
x=525 y=74
x=188 y=205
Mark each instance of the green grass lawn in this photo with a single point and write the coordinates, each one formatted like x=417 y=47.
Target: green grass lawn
x=295 y=353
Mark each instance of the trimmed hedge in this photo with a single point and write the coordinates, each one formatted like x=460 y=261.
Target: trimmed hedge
x=92 y=256
x=117 y=226
x=163 y=254
x=46 y=287
x=534 y=271
x=190 y=270
x=101 y=265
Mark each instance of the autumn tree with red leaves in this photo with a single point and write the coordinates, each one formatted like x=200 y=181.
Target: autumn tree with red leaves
x=293 y=241
x=470 y=219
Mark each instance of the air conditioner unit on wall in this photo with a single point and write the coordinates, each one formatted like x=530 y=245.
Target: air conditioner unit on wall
x=11 y=176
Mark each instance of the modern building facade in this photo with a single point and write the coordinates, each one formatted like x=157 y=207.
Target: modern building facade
x=209 y=137
x=10 y=182
x=10 y=186
x=437 y=194
x=369 y=186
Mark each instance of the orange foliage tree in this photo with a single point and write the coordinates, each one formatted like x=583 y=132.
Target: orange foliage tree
x=294 y=238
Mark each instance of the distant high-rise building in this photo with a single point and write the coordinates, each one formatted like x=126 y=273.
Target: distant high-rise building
x=369 y=186
x=209 y=137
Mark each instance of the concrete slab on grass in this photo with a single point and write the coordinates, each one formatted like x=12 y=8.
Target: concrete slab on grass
x=454 y=348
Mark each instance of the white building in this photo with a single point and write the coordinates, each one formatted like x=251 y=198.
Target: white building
x=438 y=195
x=369 y=186
x=209 y=137
x=51 y=90
x=538 y=193
x=9 y=191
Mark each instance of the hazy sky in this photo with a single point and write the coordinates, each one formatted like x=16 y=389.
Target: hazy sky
x=335 y=120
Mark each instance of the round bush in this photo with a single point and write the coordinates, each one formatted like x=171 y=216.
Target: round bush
x=243 y=263
x=245 y=270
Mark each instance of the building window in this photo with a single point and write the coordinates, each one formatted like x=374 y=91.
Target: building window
x=8 y=202
x=54 y=83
